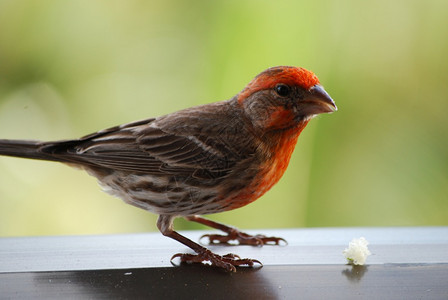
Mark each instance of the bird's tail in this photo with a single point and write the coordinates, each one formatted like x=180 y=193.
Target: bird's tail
x=25 y=149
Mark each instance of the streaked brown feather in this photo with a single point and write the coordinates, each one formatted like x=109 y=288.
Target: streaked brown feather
x=166 y=145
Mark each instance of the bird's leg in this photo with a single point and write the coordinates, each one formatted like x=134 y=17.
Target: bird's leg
x=233 y=234
x=229 y=262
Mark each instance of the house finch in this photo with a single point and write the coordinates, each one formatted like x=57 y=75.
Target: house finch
x=200 y=160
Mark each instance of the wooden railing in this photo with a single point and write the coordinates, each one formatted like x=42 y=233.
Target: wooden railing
x=406 y=263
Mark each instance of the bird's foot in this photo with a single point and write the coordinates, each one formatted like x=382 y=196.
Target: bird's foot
x=243 y=238
x=228 y=262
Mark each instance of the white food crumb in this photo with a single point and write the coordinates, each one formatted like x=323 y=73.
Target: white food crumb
x=357 y=251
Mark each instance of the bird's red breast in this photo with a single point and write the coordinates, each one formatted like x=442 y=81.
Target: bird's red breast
x=279 y=151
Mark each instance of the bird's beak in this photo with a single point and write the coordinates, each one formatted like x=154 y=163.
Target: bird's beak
x=318 y=101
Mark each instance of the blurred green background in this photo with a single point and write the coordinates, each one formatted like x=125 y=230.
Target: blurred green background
x=69 y=68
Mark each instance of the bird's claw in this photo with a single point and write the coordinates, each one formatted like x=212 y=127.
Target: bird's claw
x=243 y=239
x=228 y=262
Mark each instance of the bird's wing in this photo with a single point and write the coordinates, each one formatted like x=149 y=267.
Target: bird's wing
x=145 y=147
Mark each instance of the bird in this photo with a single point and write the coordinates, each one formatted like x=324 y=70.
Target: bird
x=200 y=160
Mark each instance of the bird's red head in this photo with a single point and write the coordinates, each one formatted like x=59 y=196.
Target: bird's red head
x=284 y=97
x=275 y=75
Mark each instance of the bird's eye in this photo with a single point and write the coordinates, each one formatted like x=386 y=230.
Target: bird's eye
x=282 y=90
